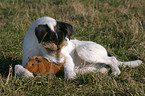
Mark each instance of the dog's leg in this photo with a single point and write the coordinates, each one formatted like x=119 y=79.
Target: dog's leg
x=22 y=72
x=69 y=72
x=113 y=64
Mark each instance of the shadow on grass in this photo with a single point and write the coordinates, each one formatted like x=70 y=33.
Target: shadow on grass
x=5 y=64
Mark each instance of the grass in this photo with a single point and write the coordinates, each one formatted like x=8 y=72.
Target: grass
x=115 y=24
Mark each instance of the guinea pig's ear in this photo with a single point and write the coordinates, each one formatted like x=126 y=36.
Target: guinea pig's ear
x=38 y=60
x=30 y=58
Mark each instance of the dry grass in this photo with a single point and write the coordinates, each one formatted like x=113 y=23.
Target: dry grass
x=117 y=25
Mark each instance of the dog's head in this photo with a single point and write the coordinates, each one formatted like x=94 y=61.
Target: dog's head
x=53 y=39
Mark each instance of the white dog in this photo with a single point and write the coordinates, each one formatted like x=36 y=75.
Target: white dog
x=46 y=37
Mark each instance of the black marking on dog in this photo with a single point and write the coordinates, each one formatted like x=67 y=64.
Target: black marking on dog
x=40 y=32
x=62 y=29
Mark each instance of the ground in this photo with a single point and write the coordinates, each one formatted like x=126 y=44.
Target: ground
x=118 y=25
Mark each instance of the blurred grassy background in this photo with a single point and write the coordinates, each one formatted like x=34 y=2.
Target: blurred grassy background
x=118 y=25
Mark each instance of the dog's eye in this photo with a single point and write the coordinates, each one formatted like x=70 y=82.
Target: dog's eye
x=32 y=64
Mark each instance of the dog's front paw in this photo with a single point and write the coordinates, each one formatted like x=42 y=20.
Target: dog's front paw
x=22 y=72
x=70 y=75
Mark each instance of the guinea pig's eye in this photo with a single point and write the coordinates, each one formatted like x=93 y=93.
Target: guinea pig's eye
x=32 y=64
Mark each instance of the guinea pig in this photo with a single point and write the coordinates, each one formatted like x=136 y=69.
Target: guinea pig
x=40 y=65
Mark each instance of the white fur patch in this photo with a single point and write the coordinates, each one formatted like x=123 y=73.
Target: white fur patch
x=22 y=72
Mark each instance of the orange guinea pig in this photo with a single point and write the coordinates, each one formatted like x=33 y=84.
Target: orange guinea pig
x=40 y=65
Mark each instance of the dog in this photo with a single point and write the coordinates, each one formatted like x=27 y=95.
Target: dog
x=46 y=37
x=80 y=56
x=40 y=65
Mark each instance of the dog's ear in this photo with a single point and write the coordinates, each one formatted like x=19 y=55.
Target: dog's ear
x=65 y=27
x=38 y=60
x=40 y=31
x=69 y=30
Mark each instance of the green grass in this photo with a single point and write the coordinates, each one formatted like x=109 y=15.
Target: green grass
x=115 y=24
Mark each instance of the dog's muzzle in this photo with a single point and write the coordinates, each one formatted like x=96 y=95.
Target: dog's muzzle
x=51 y=45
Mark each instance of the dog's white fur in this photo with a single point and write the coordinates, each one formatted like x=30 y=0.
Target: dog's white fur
x=80 y=56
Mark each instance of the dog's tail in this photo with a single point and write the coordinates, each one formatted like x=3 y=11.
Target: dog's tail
x=131 y=63
x=128 y=63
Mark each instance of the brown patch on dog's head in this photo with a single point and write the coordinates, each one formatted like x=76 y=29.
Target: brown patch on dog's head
x=53 y=47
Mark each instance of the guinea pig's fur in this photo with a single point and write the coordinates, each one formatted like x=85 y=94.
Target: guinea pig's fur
x=40 y=65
